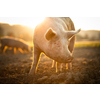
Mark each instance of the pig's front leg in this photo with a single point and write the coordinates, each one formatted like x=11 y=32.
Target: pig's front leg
x=3 y=48
x=35 y=61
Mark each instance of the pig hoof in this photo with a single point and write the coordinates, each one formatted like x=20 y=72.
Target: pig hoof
x=31 y=75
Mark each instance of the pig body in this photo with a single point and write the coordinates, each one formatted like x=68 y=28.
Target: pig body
x=14 y=43
x=55 y=37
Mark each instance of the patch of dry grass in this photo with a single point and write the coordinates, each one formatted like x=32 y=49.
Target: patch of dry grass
x=88 y=44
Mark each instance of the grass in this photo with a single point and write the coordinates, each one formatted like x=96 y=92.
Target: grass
x=82 y=44
x=88 y=44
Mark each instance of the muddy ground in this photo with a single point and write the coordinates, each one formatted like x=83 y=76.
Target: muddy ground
x=14 y=68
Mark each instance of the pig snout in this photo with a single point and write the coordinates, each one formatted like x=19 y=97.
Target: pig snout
x=69 y=59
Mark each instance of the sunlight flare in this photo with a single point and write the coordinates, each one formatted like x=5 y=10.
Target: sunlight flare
x=35 y=21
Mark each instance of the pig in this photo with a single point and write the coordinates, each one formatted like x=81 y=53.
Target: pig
x=55 y=37
x=14 y=43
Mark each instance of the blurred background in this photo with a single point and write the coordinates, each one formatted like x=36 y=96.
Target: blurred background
x=23 y=27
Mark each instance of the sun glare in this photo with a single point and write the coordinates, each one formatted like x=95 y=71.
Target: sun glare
x=35 y=21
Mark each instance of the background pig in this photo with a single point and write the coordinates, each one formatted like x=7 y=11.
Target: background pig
x=55 y=37
x=14 y=43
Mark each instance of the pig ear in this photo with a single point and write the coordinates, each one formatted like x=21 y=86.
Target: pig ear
x=72 y=33
x=50 y=34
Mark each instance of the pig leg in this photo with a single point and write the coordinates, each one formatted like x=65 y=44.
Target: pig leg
x=54 y=64
x=71 y=48
x=20 y=50
x=58 y=67
x=69 y=66
x=4 y=49
x=35 y=61
x=14 y=50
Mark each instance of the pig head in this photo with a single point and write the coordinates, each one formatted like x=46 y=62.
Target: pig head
x=55 y=37
x=57 y=48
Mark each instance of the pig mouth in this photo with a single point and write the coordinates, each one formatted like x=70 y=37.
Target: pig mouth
x=69 y=59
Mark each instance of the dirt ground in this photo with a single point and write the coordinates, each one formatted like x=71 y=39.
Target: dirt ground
x=14 y=68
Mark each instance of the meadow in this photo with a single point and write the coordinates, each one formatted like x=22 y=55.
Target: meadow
x=87 y=44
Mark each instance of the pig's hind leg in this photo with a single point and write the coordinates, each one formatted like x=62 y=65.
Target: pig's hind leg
x=57 y=65
x=54 y=64
x=35 y=61
x=21 y=50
